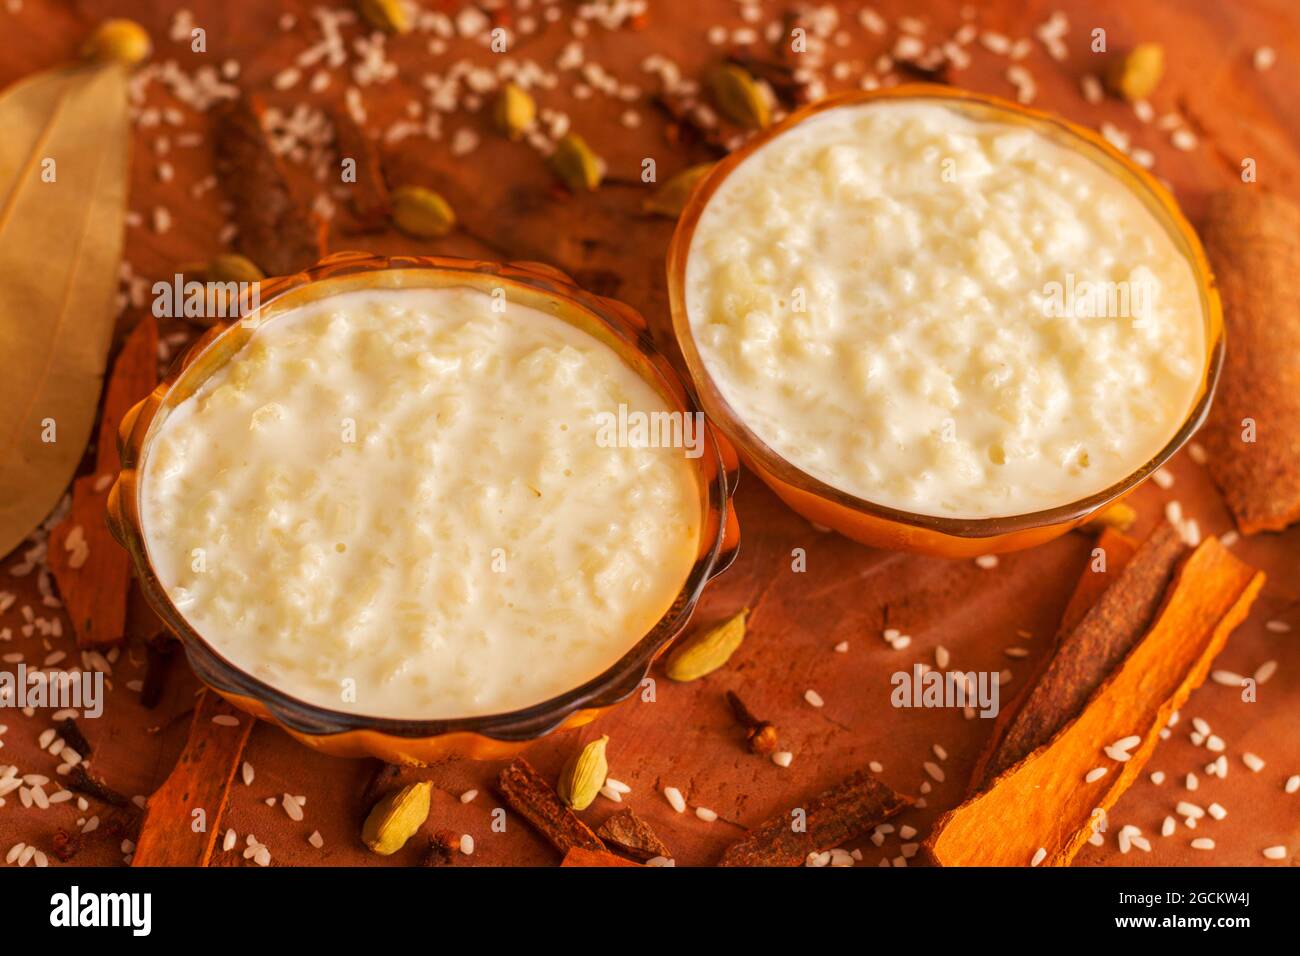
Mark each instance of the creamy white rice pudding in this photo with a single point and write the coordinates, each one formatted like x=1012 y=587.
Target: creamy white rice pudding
x=394 y=503
x=942 y=314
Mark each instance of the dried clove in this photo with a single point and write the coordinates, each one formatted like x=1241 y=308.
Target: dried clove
x=73 y=737
x=761 y=734
x=82 y=782
x=65 y=844
x=441 y=850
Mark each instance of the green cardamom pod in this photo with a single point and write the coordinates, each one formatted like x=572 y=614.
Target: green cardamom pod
x=124 y=41
x=514 y=111
x=421 y=212
x=1136 y=75
x=387 y=15
x=584 y=775
x=739 y=97
x=232 y=267
x=576 y=165
x=705 y=651
x=670 y=199
x=396 y=818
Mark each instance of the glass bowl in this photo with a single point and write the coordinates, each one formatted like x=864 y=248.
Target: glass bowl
x=422 y=741
x=874 y=524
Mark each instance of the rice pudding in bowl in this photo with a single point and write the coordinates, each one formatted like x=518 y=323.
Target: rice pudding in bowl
x=939 y=321
x=389 y=507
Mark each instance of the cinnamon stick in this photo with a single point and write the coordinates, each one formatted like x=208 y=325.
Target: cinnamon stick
x=94 y=592
x=1087 y=652
x=626 y=833
x=841 y=813
x=275 y=231
x=1042 y=808
x=532 y=798
x=1252 y=436
x=1119 y=549
x=200 y=781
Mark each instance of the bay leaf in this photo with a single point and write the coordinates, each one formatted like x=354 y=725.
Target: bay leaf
x=64 y=157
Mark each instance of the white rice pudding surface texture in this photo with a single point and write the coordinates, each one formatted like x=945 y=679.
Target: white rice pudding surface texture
x=897 y=298
x=394 y=503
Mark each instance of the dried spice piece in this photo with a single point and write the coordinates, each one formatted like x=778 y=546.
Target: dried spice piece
x=275 y=231
x=579 y=856
x=92 y=569
x=80 y=780
x=1252 y=437
x=514 y=110
x=739 y=97
x=387 y=15
x=705 y=651
x=584 y=775
x=1136 y=75
x=576 y=165
x=65 y=845
x=421 y=212
x=441 y=850
x=1119 y=516
x=761 y=734
x=73 y=737
x=396 y=818
x=119 y=41
x=368 y=197
x=532 y=798
x=937 y=71
x=783 y=78
x=1042 y=803
x=670 y=199
x=158 y=660
x=684 y=126
x=201 y=778
x=628 y=834
x=831 y=818
x=1087 y=653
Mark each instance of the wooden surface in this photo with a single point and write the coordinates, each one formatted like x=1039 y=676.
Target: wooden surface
x=686 y=738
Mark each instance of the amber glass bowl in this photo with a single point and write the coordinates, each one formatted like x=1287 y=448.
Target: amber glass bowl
x=884 y=527
x=421 y=741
